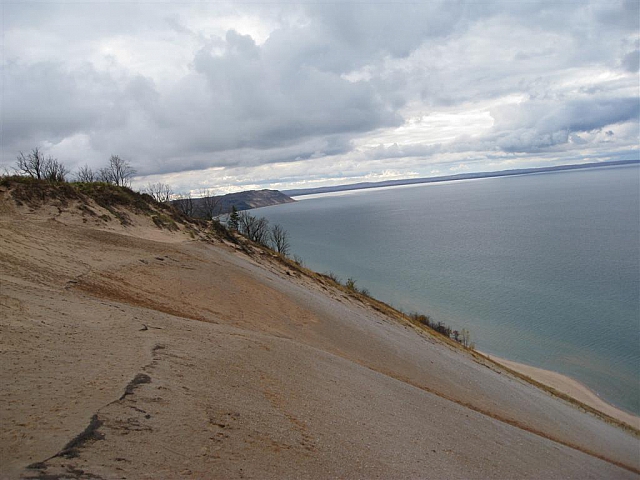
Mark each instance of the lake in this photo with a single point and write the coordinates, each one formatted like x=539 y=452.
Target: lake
x=543 y=269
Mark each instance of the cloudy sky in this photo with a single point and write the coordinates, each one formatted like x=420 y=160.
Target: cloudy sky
x=290 y=95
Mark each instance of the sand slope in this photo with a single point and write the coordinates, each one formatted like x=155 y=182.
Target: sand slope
x=165 y=357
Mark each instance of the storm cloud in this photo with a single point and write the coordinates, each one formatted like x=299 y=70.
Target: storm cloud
x=231 y=97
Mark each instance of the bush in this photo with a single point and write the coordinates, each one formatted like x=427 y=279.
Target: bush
x=108 y=196
x=332 y=276
x=462 y=337
x=34 y=192
x=163 y=221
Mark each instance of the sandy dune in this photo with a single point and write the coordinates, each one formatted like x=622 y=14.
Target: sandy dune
x=139 y=353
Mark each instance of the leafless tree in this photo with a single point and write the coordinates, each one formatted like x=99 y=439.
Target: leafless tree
x=161 y=192
x=54 y=171
x=35 y=165
x=104 y=175
x=210 y=204
x=31 y=164
x=280 y=239
x=184 y=203
x=465 y=338
x=86 y=175
x=256 y=229
x=120 y=172
x=261 y=231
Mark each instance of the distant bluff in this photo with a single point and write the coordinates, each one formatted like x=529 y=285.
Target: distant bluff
x=221 y=204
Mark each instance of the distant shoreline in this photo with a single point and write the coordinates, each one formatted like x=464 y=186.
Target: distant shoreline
x=569 y=386
x=448 y=178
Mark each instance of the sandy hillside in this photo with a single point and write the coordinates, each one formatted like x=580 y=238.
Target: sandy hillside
x=140 y=352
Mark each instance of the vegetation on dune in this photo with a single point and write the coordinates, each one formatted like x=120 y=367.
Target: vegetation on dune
x=462 y=337
x=37 y=166
x=234 y=219
x=165 y=221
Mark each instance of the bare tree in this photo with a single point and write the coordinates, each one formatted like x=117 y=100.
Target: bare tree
x=161 y=192
x=31 y=164
x=245 y=223
x=210 y=204
x=280 y=239
x=86 y=175
x=54 y=171
x=35 y=165
x=120 y=171
x=255 y=229
x=465 y=338
x=184 y=203
x=261 y=231
x=104 y=175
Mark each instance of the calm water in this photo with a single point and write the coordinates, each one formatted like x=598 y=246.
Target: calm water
x=542 y=269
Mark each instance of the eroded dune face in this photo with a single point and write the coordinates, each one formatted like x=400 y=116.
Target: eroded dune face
x=134 y=352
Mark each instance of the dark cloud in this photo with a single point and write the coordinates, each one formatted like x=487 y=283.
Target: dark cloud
x=548 y=118
x=268 y=100
x=48 y=101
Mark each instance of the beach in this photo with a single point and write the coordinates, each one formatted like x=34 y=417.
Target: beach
x=570 y=387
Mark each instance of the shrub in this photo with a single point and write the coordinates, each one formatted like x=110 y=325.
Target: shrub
x=463 y=337
x=332 y=276
x=163 y=221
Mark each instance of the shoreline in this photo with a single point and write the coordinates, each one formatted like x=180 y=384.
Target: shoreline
x=568 y=386
x=350 y=187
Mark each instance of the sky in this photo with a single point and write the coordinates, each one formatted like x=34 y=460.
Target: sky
x=248 y=95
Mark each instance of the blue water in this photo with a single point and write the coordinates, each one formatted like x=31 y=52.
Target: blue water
x=542 y=269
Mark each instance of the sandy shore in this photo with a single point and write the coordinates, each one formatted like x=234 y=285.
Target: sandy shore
x=569 y=386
